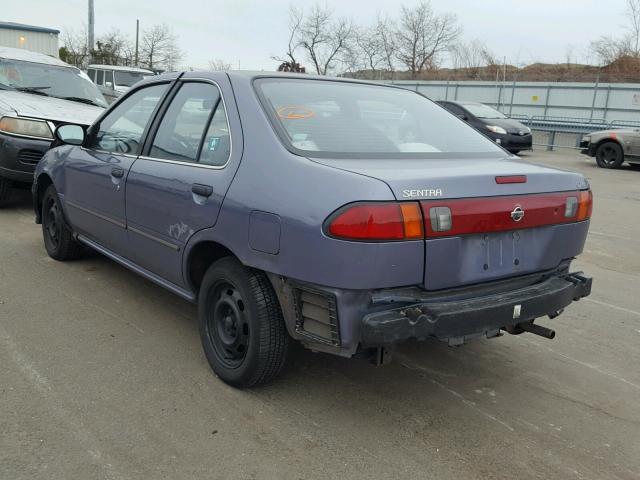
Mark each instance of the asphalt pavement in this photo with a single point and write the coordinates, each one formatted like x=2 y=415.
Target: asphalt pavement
x=102 y=376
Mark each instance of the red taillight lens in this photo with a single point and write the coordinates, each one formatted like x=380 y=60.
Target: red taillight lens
x=377 y=222
x=585 y=205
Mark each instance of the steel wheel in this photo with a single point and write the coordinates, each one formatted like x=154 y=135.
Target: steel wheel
x=228 y=325
x=609 y=155
x=53 y=222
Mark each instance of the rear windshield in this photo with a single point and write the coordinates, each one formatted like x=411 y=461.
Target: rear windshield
x=321 y=118
x=128 y=79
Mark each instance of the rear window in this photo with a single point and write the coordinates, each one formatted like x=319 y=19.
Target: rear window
x=332 y=119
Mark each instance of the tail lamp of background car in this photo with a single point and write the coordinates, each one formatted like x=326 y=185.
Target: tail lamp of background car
x=393 y=221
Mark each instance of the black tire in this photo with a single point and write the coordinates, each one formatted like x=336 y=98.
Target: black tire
x=5 y=191
x=515 y=152
x=242 y=330
x=58 y=240
x=609 y=155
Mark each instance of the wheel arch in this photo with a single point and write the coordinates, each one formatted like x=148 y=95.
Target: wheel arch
x=200 y=257
x=607 y=140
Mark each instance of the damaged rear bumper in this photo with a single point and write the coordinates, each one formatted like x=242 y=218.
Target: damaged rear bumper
x=458 y=319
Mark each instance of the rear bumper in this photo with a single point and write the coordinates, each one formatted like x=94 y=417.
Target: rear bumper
x=19 y=156
x=456 y=320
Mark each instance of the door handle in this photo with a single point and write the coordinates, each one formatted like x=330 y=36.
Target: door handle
x=117 y=172
x=202 y=190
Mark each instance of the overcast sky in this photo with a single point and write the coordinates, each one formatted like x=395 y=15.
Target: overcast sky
x=251 y=31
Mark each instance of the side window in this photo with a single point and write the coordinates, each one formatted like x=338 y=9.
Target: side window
x=216 y=147
x=100 y=77
x=108 y=78
x=121 y=131
x=92 y=74
x=180 y=133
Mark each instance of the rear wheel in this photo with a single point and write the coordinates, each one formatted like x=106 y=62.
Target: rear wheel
x=5 y=191
x=241 y=326
x=609 y=155
x=58 y=240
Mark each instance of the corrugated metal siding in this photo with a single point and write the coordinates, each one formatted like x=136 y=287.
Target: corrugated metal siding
x=46 y=43
x=609 y=101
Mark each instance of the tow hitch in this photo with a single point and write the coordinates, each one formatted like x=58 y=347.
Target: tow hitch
x=531 y=328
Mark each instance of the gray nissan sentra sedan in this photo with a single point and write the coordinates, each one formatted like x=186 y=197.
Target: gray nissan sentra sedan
x=345 y=215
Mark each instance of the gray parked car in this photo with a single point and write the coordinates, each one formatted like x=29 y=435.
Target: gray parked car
x=345 y=215
x=37 y=93
x=612 y=148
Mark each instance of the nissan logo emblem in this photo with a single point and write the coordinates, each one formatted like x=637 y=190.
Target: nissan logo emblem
x=517 y=214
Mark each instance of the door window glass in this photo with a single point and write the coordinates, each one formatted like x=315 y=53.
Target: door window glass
x=108 y=78
x=92 y=74
x=121 y=131
x=180 y=133
x=216 y=147
x=100 y=77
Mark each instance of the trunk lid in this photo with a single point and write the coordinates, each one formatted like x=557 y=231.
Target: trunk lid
x=541 y=241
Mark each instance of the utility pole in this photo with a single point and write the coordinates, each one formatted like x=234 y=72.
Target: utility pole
x=91 y=39
x=137 y=37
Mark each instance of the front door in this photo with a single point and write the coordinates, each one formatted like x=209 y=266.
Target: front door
x=176 y=188
x=96 y=173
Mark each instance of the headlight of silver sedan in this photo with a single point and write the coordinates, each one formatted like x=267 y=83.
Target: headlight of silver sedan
x=26 y=127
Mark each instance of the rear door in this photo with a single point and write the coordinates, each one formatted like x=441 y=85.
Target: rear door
x=177 y=187
x=96 y=173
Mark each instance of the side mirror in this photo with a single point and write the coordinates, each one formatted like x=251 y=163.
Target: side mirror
x=70 y=134
x=108 y=84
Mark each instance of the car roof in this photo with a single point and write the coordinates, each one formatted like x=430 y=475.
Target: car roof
x=120 y=68
x=29 y=56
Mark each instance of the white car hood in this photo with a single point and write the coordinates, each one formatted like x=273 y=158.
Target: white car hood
x=48 y=108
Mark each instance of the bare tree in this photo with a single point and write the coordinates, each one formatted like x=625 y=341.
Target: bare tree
x=323 y=39
x=74 y=46
x=113 y=48
x=218 y=65
x=385 y=30
x=422 y=35
x=471 y=57
x=159 y=48
x=608 y=49
x=368 y=45
x=296 y=16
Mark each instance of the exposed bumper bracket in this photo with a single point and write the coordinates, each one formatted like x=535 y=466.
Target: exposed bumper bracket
x=457 y=319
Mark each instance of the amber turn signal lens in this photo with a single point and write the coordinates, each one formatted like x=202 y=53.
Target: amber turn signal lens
x=585 y=206
x=412 y=216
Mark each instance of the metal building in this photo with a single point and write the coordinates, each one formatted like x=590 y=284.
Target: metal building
x=30 y=37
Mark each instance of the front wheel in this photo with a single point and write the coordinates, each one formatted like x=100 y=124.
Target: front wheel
x=241 y=326
x=609 y=155
x=58 y=241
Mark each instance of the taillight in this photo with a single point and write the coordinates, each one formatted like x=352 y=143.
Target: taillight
x=496 y=214
x=377 y=221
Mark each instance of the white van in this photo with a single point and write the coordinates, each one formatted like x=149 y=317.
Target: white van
x=113 y=80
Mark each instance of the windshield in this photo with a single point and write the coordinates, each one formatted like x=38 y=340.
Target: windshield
x=349 y=120
x=128 y=79
x=50 y=80
x=482 y=111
